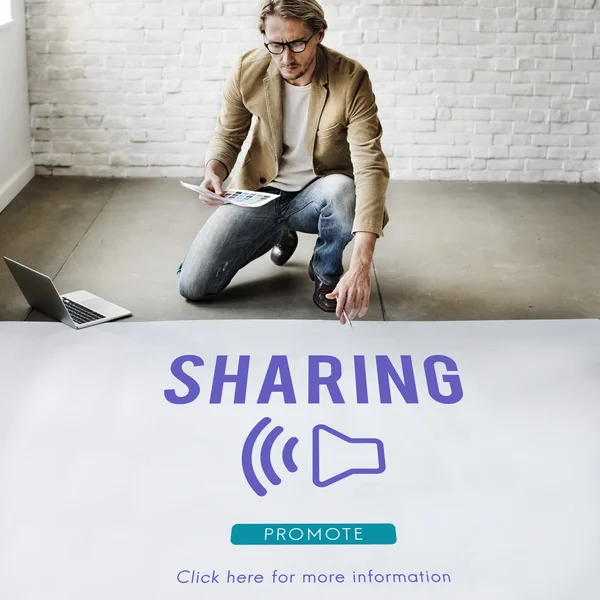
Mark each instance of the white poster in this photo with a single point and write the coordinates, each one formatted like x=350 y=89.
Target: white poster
x=276 y=459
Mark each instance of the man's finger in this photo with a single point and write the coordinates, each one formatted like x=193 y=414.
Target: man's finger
x=341 y=303
x=356 y=306
x=211 y=188
x=365 y=304
x=350 y=303
x=362 y=302
x=354 y=303
x=210 y=201
x=333 y=294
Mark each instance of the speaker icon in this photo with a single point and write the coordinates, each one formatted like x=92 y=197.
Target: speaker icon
x=335 y=456
x=366 y=455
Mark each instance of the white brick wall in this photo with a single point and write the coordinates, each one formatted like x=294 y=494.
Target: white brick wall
x=492 y=90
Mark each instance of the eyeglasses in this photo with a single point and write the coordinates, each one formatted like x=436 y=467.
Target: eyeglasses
x=296 y=46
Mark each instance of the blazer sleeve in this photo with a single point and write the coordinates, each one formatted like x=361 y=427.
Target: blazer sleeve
x=369 y=163
x=233 y=122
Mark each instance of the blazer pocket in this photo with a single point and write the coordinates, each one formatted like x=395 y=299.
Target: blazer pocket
x=329 y=131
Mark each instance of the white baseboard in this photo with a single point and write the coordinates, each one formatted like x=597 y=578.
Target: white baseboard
x=15 y=184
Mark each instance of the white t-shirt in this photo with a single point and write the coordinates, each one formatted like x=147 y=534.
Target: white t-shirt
x=295 y=167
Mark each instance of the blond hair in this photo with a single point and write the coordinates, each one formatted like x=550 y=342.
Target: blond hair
x=308 y=11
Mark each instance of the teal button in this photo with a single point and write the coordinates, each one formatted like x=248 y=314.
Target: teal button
x=313 y=534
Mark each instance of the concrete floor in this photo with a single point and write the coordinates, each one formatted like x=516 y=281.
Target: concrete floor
x=452 y=251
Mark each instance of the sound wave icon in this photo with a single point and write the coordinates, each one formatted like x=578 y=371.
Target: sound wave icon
x=265 y=456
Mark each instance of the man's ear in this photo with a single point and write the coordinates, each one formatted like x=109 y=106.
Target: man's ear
x=320 y=36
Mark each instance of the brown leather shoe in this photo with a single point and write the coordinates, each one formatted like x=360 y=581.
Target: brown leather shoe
x=321 y=289
x=286 y=246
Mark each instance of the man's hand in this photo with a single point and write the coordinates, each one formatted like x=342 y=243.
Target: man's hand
x=216 y=173
x=353 y=290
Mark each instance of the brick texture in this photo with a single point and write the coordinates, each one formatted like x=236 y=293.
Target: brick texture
x=481 y=90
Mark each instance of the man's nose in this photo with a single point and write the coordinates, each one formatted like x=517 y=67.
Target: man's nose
x=287 y=55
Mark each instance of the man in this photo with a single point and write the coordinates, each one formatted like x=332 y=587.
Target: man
x=315 y=143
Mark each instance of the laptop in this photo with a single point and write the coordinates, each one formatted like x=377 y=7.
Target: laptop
x=77 y=309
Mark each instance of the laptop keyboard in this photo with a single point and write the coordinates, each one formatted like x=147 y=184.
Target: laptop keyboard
x=80 y=314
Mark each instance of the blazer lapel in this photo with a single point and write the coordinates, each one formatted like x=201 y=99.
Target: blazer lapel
x=318 y=95
x=273 y=85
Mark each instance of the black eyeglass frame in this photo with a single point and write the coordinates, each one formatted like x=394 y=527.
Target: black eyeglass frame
x=289 y=44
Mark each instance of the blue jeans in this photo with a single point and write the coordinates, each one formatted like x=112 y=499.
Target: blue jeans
x=234 y=236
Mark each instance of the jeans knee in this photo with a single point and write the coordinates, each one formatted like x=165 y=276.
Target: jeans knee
x=194 y=291
x=186 y=290
x=201 y=281
x=341 y=185
x=342 y=197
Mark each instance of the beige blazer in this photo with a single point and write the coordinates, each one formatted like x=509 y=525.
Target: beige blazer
x=344 y=131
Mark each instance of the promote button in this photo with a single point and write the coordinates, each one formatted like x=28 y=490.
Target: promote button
x=315 y=534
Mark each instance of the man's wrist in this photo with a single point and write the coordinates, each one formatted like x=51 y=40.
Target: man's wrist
x=364 y=246
x=216 y=167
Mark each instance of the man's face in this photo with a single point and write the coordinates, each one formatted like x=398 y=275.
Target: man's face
x=291 y=65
